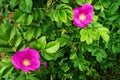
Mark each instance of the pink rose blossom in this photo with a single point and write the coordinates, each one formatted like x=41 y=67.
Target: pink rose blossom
x=83 y=15
x=26 y=60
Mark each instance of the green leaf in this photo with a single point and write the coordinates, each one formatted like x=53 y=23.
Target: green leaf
x=56 y=15
x=80 y=67
x=105 y=36
x=97 y=25
x=30 y=19
x=32 y=78
x=107 y=4
x=3 y=42
x=49 y=3
x=114 y=49
x=17 y=14
x=89 y=40
x=68 y=23
x=33 y=45
x=42 y=14
x=69 y=13
x=41 y=43
x=48 y=56
x=63 y=16
x=3 y=33
x=26 y=5
x=52 y=47
x=65 y=1
x=6 y=49
x=35 y=14
x=95 y=18
x=103 y=32
x=114 y=8
x=5 y=12
x=88 y=35
x=17 y=41
x=1 y=4
x=6 y=68
x=65 y=67
x=21 y=18
x=59 y=24
x=63 y=12
x=59 y=54
x=13 y=3
x=21 y=77
x=92 y=33
x=97 y=6
x=23 y=46
x=73 y=54
x=37 y=32
x=12 y=33
x=62 y=41
x=29 y=34
x=89 y=1
x=84 y=35
x=65 y=7
x=114 y=17
x=100 y=54
x=2 y=70
x=8 y=71
x=79 y=2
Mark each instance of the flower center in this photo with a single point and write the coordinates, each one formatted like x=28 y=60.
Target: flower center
x=26 y=62
x=82 y=16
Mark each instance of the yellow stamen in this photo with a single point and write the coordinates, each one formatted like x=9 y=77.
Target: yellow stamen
x=82 y=17
x=26 y=62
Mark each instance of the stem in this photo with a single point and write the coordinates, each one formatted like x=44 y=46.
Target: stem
x=26 y=75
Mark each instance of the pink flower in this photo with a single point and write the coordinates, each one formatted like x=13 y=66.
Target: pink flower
x=83 y=15
x=26 y=60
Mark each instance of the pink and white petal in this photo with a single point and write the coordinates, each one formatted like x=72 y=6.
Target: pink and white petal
x=76 y=10
x=33 y=54
x=17 y=58
x=87 y=8
x=88 y=19
x=79 y=23
x=16 y=63
x=76 y=21
x=34 y=65
x=82 y=25
x=25 y=69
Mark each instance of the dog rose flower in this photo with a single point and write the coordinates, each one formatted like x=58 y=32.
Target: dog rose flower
x=26 y=60
x=83 y=15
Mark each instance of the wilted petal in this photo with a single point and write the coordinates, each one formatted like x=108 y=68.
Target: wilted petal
x=45 y=64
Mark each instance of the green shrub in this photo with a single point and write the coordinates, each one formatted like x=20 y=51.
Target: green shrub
x=72 y=53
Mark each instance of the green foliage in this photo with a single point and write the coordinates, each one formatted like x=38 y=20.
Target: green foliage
x=100 y=54
x=41 y=43
x=26 y=5
x=72 y=53
x=89 y=34
x=6 y=68
x=80 y=2
x=62 y=13
x=52 y=47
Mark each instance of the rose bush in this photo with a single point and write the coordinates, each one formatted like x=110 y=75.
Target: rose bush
x=59 y=39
